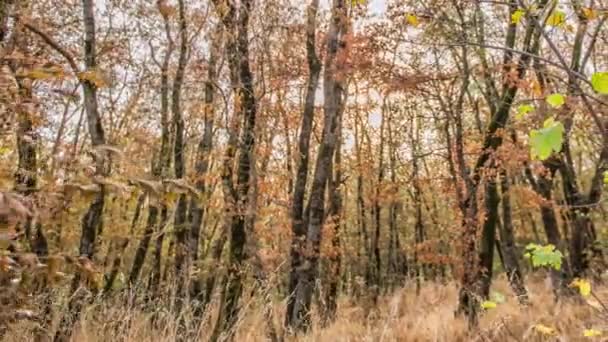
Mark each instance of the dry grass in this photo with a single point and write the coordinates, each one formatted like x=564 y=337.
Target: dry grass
x=402 y=316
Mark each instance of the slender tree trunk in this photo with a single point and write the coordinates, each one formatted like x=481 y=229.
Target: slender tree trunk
x=160 y=170
x=335 y=215
x=395 y=253
x=26 y=177
x=377 y=210
x=122 y=246
x=247 y=109
x=582 y=248
x=142 y=248
x=544 y=186
x=92 y=220
x=417 y=198
x=299 y=223
x=197 y=210
x=488 y=236
x=491 y=141
x=182 y=252
x=508 y=247
x=155 y=278
x=332 y=87
x=362 y=210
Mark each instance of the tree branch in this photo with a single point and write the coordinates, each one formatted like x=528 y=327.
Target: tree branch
x=53 y=44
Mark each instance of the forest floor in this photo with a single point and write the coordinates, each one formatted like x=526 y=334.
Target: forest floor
x=402 y=316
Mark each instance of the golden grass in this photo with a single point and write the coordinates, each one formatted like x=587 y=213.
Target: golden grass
x=402 y=316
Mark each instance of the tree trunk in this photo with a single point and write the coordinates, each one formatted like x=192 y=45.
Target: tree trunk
x=417 y=198
x=26 y=176
x=377 y=210
x=122 y=246
x=182 y=252
x=238 y=49
x=362 y=210
x=332 y=88
x=508 y=247
x=155 y=277
x=488 y=236
x=544 y=186
x=92 y=220
x=298 y=224
x=335 y=216
x=467 y=302
x=142 y=248
x=197 y=210
x=160 y=168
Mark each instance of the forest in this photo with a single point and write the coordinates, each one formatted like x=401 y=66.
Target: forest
x=303 y=170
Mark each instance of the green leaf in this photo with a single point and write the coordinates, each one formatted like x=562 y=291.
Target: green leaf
x=516 y=16
x=488 y=304
x=606 y=177
x=599 y=81
x=523 y=110
x=557 y=18
x=545 y=141
x=545 y=256
x=556 y=100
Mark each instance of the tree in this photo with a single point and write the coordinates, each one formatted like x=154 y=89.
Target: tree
x=332 y=93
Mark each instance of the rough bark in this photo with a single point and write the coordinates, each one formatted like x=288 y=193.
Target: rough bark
x=246 y=110
x=335 y=216
x=363 y=236
x=419 y=232
x=332 y=91
x=560 y=279
x=298 y=224
x=197 y=209
x=160 y=167
x=92 y=220
x=142 y=248
x=376 y=282
x=508 y=247
x=182 y=252
x=468 y=303
x=122 y=246
x=486 y=248
x=580 y=204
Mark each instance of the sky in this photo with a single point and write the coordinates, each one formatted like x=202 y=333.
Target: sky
x=377 y=6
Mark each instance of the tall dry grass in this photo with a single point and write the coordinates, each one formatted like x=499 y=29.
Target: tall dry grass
x=401 y=316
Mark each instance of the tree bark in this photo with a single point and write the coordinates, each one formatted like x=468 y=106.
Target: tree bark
x=335 y=216
x=197 y=210
x=298 y=224
x=182 y=252
x=491 y=141
x=377 y=211
x=117 y=262
x=92 y=220
x=238 y=49
x=507 y=239
x=560 y=279
x=488 y=236
x=160 y=168
x=332 y=91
